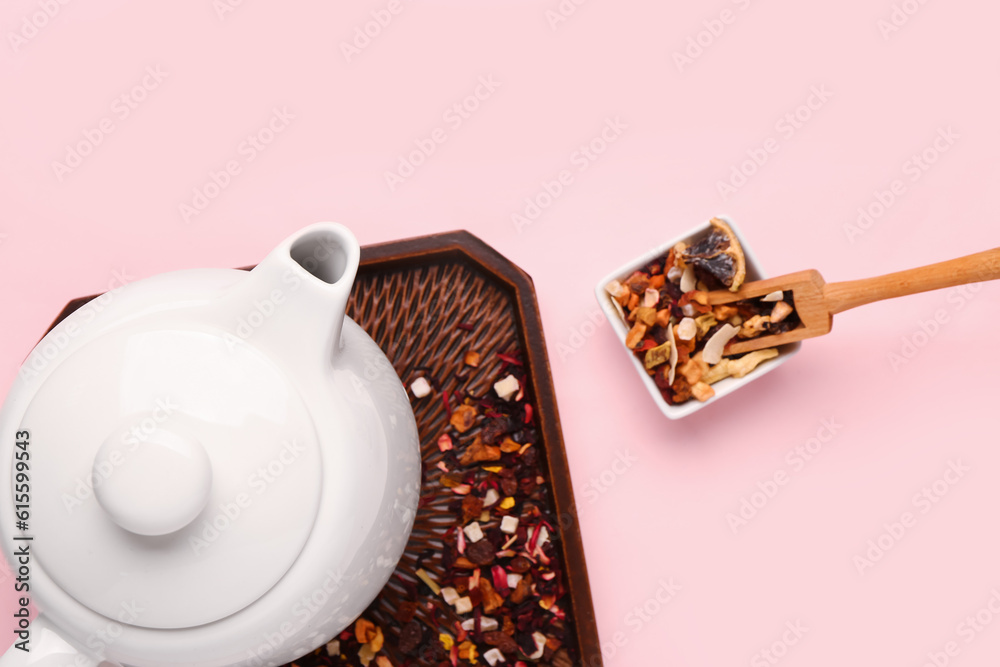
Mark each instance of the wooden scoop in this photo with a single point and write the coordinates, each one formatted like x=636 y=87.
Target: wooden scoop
x=817 y=302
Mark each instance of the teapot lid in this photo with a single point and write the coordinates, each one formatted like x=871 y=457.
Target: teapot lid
x=176 y=467
x=172 y=467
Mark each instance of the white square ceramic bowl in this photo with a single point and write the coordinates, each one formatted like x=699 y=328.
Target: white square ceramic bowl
x=722 y=388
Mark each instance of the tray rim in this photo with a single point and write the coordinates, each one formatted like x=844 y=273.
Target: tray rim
x=462 y=245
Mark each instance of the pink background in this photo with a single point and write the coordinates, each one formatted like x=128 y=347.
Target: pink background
x=660 y=513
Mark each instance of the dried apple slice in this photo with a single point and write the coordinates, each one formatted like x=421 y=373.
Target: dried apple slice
x=720 y=255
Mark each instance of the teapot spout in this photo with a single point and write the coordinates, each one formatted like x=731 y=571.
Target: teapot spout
x=296 y=298
x=46 y=647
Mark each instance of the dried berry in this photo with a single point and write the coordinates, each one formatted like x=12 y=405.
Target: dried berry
x=410 y=637
x=502 y=641
x=481 y=552
x=407 y=609
x=520 y=565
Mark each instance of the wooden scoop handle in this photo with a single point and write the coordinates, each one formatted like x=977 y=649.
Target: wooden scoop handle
x=976 y=268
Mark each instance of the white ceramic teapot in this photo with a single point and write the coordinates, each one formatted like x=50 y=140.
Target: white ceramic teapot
x=212 y=467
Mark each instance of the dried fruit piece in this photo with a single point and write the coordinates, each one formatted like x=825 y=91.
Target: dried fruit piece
x=463 y=418
x=509 y=524
x=473 y=531
x=687 y=329
x=725 y=312
x=491 y=599
x=645 y=315
x=657 y=355
x=717 y=343
x=755 y=326
x=468 y=651
x=720 y=255
x=702 y=391
x=781 y=311
x=773 y=296
x=635 y=335
x=509 y=446
x=688 y=281
x=616 y=290
x=477 y=452
x=693 y=369
x=472 y=358
x=420 y=387
x=364 y=630
x=507 y=387
x=472 y=507
x=741 y=367
x=674 y=356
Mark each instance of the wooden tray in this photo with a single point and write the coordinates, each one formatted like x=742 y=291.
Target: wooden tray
x=409 y=295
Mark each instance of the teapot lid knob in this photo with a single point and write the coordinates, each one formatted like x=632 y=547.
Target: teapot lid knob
x=157 y=485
